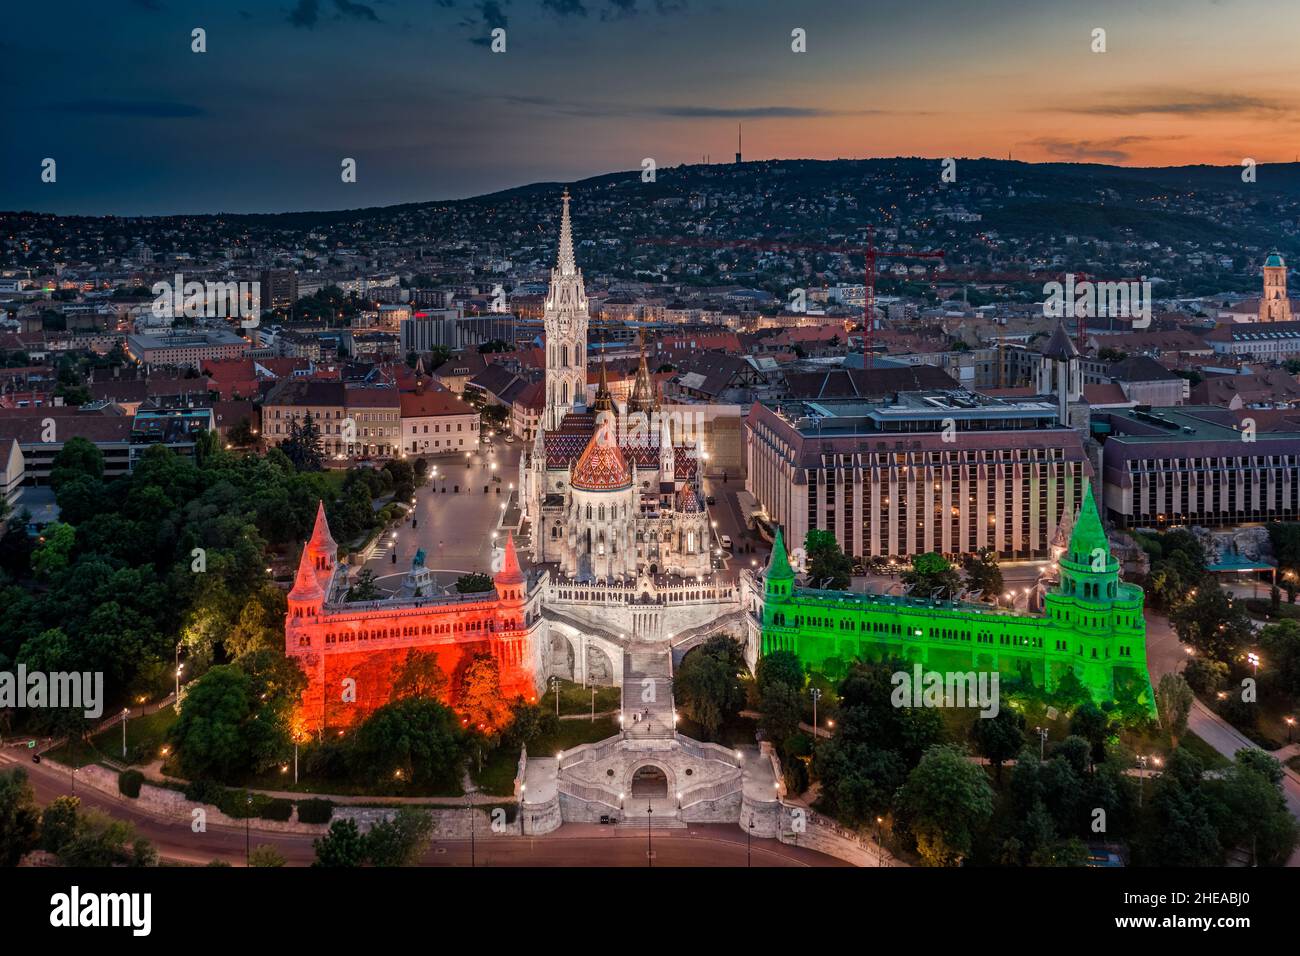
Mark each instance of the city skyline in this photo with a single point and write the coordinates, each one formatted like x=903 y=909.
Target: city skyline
x=140 y=125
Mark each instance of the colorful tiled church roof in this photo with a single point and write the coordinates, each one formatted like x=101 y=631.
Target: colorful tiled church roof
x=601 y=467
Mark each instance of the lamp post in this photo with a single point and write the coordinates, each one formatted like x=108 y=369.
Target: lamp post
x=176 y=701
x=1142 y=777
x=555 y=689
x=1290 y=724
x=649 y=850
x=880 y=845
x=248 y=838
x=469 y=805
x=126 y=712
x=1042 y=741
x=816 y=696
x=593 y=705
x=1253 y=659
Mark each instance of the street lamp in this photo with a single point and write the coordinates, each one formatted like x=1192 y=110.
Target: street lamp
x=126 y=712
x=816 y=696
x=248 y=838
x=1290 y=724
x=555 y=689
x=749 y=836
x=1042 y=741
x=1253 y=659
x=649 y=850
x=880 y=845
x=469 y=805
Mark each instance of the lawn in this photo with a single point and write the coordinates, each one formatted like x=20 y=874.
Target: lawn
x=576 y=699
x=1212 y=759
x=499 y=768
x=737 y=732
x=145 y=737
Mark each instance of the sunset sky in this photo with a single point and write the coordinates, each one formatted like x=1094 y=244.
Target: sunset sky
x=261 y=122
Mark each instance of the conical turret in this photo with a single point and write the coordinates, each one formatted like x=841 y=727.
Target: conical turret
x=510 y=579
x=779 y=577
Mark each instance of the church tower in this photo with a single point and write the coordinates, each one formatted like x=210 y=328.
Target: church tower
x=1274 y=306
x=565 y=322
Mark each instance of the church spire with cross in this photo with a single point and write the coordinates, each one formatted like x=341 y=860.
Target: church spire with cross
x=564 y=320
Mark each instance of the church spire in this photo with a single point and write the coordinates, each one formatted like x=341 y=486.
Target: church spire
x=642 y=398
x=565 y=262
x=604 y=399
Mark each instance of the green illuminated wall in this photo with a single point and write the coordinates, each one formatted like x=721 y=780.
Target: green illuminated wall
x=1092 y=622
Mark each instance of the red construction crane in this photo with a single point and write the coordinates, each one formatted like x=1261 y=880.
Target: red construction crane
x=870 y=253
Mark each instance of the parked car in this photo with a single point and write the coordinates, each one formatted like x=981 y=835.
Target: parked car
x=726 y=542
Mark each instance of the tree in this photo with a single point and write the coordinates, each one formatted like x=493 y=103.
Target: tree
x=480 y=698
x=303 y=447
x=400 y=841
x=828 y=566
x=417 y=736
x=983 y=574
x=1205 y=676
x=1092 y=724
x=1249 y=810
x=707 y=684
x=1280 y=644
x=1000 y=737
x=265 y=855
x=781 y=710
x=365 y=588
x=78 y=458
x=931 y=574
x=474 y=583
x=1212 y=623
x=343 y=845
x=20 y=817
x=1174 y=702
x=54 y=553
x=779 y=667
x=419 y=676
x=231 y=722
x=947 y=799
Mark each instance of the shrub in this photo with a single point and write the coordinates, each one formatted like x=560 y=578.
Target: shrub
x=205 y=791
x=128 y=783
x=276 y=808
x=315 y=810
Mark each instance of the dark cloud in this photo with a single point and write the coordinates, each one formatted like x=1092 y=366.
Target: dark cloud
x=146 y=108
x=305 y=14
x=493 y=15
x=357 y=11
x=1179 y=103
x=565 y=8
x=1092 y=150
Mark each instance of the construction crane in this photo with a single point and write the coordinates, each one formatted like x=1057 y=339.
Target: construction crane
x=871 y=254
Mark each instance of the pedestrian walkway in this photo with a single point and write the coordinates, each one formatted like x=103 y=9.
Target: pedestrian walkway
x=648 y=693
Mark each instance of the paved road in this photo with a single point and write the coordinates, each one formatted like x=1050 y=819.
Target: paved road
x=454 y=527
x=572 y=845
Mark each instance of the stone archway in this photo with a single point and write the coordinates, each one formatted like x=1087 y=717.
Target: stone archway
x=649 y=782
x=562 y=656
x=600 y=669
x=650 y=778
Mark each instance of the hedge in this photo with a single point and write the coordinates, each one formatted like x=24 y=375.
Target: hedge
x=129 y=781
x=315 y=810
x=277 y=808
